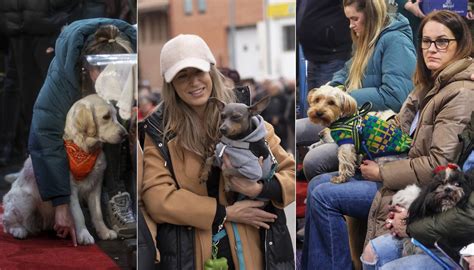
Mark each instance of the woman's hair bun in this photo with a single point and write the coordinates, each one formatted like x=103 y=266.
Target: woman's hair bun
x=106 y=33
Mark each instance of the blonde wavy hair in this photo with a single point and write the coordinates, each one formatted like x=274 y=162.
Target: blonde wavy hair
x=376 y=19
x=181 y=119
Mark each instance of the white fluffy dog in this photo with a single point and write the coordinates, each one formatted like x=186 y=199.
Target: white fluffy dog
x=90 y=122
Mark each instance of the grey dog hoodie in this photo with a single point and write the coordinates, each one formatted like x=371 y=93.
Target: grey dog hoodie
x=241 y=157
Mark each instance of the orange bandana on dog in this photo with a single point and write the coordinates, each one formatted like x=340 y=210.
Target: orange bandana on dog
x=81 y=163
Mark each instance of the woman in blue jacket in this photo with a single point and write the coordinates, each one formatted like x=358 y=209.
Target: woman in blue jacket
x=67 y=81
x=380 y=72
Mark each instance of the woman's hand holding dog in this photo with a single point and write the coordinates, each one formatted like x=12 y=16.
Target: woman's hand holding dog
x=396 y=222
x=370 y=170
x=240 y=184
x=249 y=212
x=64 y=223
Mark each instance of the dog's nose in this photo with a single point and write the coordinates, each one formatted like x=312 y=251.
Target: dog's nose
x=223 y=130
x=319 y=114
x=448 y=190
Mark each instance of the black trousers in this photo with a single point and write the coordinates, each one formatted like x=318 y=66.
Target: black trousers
x=27 y=66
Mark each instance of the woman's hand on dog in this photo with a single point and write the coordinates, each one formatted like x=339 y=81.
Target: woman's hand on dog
x=370 y=170
x=64 y=223
x=240 y=184
x=396 y=221
x=249 y=212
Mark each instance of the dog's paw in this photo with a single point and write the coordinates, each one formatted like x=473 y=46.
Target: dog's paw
x=84 y=237
x=17 y=232
x=338 y=179
x=107 y=234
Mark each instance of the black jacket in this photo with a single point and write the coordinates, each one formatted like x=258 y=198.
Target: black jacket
x=37 y=17
x=323 y=30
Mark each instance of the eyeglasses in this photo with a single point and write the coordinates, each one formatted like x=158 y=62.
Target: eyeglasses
x=440 y=44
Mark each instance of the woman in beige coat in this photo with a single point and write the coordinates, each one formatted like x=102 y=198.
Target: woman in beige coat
x=182 y=194
x=435 y=113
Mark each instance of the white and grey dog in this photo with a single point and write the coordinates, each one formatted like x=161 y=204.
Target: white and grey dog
x=90 y=122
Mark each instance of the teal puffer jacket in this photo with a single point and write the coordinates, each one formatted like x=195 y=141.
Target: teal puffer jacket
x=60 y=90
x=388 y=76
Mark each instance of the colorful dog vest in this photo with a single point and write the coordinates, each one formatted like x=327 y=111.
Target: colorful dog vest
x=81 y=163
x=375 y=136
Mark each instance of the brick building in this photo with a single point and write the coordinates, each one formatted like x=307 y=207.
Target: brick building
x=238 y=26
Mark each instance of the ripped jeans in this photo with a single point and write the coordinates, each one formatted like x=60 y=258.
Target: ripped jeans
x=388 y=256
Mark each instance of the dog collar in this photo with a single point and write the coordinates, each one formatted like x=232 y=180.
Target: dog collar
x=81 y=163
x=234 y=143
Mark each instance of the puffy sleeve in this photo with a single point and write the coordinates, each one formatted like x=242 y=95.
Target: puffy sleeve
x=164 y=202
x=286 y=171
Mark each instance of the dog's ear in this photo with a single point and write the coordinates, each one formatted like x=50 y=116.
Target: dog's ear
x=220 y=104
x=84 y=120
x=349 y=104
x=310 y=95
x=258 y=107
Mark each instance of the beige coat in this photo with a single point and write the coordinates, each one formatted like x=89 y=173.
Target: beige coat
x=445 y=110
x=190 y=205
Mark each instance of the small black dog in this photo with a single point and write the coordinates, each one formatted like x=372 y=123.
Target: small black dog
x=449 y=188
x=243 y=139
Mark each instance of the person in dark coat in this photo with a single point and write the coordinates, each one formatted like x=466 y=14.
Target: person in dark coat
x=32 y=28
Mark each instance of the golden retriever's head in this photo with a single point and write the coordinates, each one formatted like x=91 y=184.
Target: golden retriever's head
x=327 y=104
x=92 y=120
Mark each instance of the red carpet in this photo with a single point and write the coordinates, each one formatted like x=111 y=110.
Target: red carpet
x=46 y=251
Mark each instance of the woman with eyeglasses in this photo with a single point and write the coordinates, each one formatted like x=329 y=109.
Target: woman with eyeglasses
x=437 y=110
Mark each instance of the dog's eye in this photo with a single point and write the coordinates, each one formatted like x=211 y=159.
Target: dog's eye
x=235 y=117
x=317 y=100
x=106 y=117
x=331 y=103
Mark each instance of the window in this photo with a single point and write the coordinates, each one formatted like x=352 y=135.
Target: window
x=202 y=6
x=288 y=38
x=188 y=7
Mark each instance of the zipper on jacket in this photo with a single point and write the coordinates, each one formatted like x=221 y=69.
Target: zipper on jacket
x=266 y=248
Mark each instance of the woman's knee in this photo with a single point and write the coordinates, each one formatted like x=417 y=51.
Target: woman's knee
x=307 y=132
x=319 y=160
x=368 y=255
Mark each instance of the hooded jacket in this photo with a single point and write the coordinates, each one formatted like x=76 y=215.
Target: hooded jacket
x=445 y=110
x=60 y=90
x=387 y=79
x=240 y=153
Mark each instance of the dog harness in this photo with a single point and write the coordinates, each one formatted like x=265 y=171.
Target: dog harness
x=81 y=163
x=375 y=136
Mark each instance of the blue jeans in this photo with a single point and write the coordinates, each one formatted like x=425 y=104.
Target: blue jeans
x=326 y=242
x=319 y=73
x=388 y=256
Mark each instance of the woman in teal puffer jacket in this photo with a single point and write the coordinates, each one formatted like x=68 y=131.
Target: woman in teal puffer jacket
x=64 y=86
x=379 y=72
